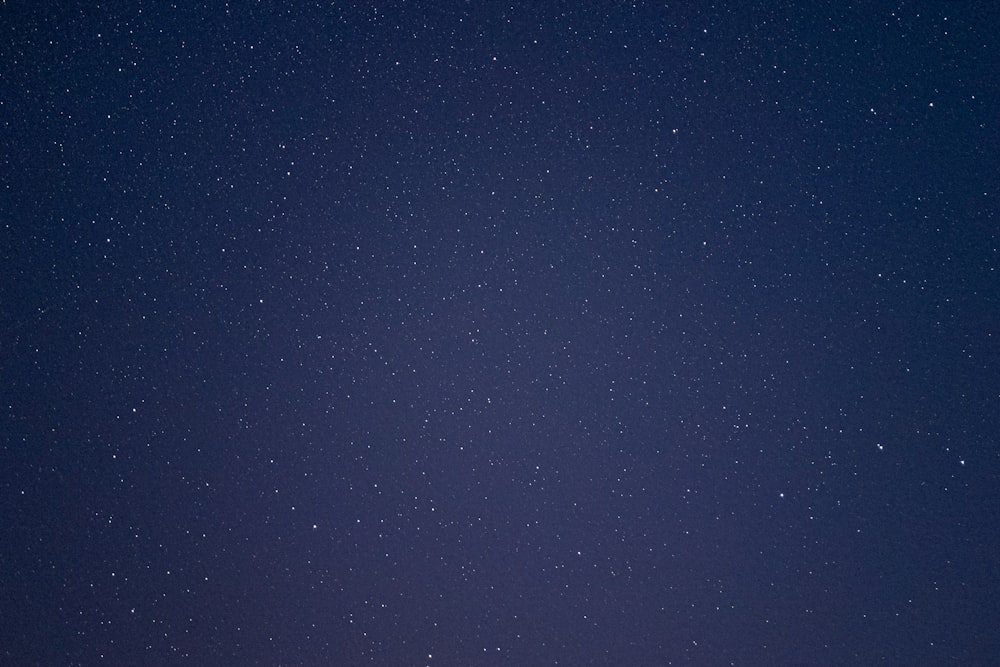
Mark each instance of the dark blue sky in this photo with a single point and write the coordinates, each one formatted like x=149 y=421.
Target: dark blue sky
x=483 y=334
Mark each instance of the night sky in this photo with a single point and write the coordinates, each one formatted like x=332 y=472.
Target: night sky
x=470 y=333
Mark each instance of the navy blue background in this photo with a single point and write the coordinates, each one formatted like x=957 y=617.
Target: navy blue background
x=477 y=334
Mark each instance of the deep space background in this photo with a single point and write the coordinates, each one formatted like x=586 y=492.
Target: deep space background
x=479 y=333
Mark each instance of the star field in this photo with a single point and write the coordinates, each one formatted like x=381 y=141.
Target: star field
x=499 y=334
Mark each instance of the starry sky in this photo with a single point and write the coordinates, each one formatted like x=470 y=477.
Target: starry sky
x=478 y=333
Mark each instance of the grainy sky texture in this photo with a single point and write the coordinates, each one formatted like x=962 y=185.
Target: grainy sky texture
x=471 y=333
